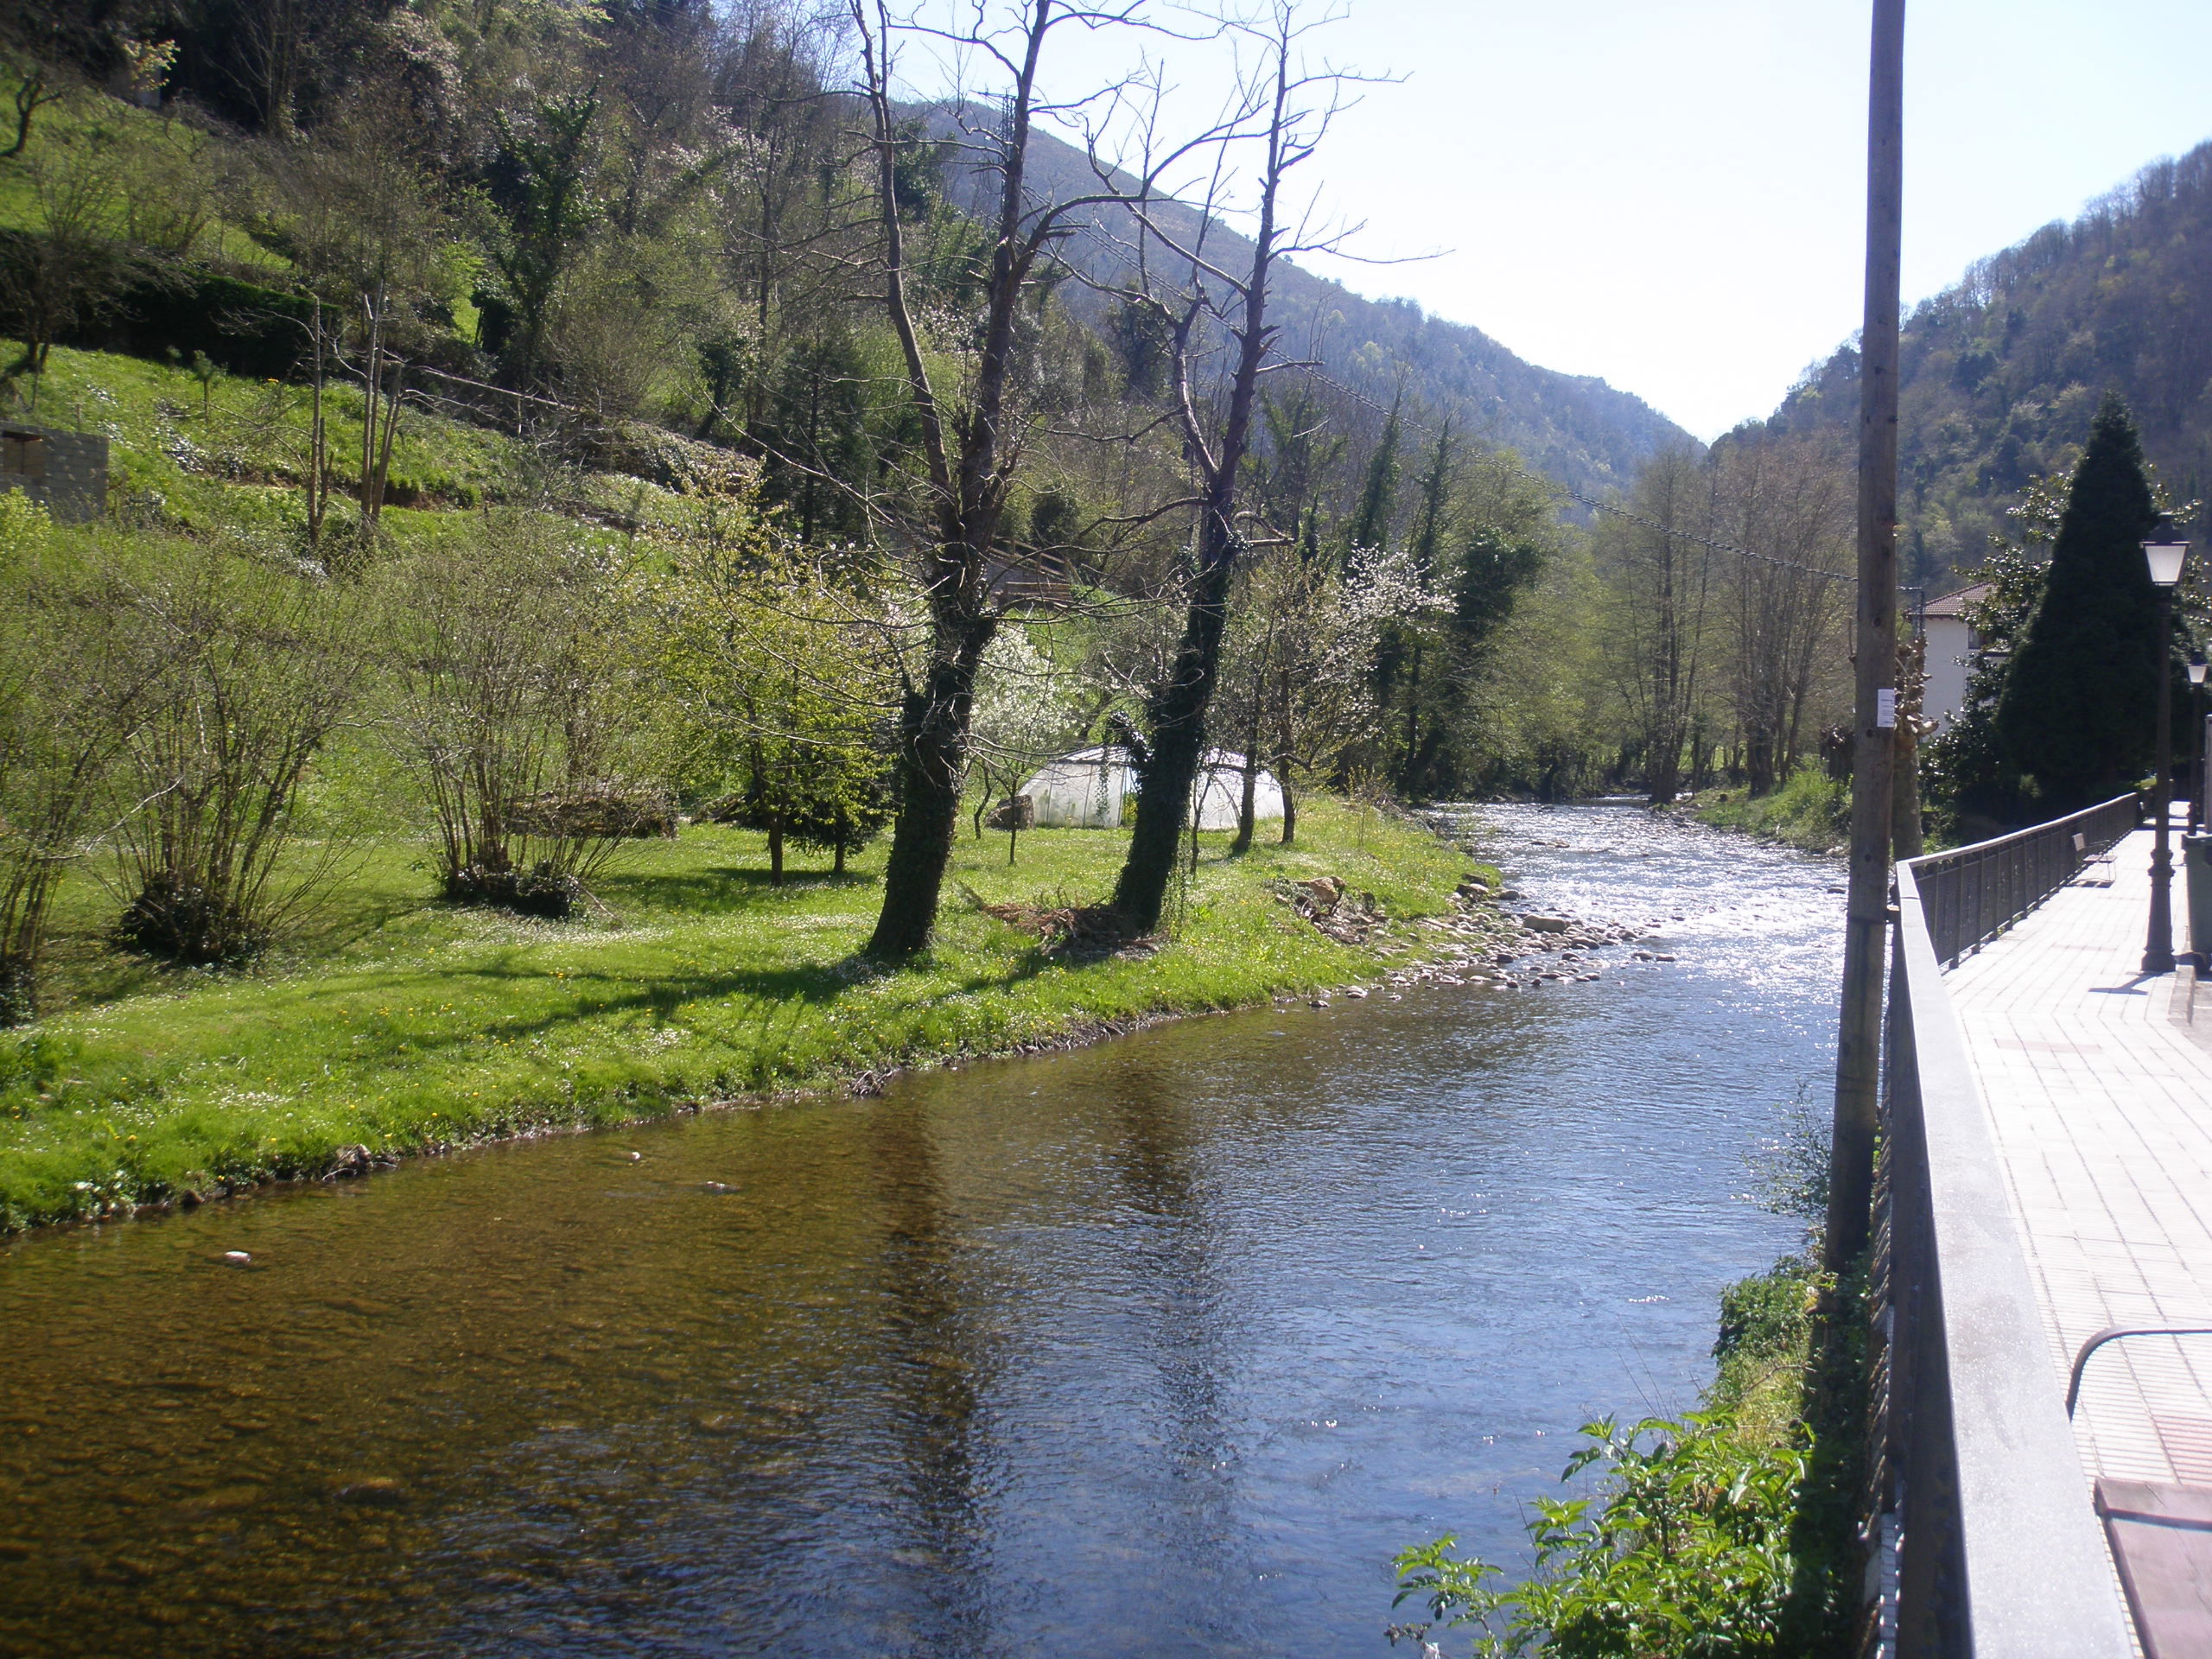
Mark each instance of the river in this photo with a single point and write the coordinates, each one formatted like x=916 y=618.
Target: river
x=1162 y=1347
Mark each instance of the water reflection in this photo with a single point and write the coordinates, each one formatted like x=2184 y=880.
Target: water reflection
x=1160 y=1348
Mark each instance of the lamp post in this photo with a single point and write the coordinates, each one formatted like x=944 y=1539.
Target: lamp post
x=2165 y=556
x=2197 y=666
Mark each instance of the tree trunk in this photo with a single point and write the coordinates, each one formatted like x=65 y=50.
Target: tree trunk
x=1248 y=809
x=932 y=757
x=776 y=854
x=838 y=867
x=1178 y=741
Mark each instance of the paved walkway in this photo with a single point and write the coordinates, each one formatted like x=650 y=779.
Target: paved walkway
x=2100 y=1094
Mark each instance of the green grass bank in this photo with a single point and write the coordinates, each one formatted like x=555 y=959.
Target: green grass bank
x=390 y=1022
x=1811 y=811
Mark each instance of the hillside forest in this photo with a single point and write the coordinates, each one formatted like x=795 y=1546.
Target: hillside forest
x=530 y=425
x=2002 y=373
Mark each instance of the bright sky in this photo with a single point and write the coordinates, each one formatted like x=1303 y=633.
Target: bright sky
x=1671 y=193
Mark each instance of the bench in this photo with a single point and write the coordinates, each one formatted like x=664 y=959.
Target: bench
x=2160 y=1533
x=2100 y=862
x=2161 y=1539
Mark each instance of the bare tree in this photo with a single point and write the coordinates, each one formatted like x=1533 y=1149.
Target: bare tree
x=358 y=214
x=973 y=430
x=1659 y=568
x=1215 y=307
x=1791 y=500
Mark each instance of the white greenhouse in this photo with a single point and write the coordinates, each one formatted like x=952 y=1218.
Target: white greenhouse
x=1087 y=790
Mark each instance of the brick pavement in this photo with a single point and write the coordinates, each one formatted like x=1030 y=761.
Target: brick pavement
x=2100 y=1098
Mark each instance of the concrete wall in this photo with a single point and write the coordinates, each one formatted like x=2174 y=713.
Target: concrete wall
x=69 y=474
x=1948 y=638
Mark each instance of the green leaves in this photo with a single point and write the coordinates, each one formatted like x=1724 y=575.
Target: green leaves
x=1684 y=1554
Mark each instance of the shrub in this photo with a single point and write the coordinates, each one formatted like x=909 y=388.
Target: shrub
x=508 y=646
x=1684 y=1553
x=73 y=681
x=250 y=666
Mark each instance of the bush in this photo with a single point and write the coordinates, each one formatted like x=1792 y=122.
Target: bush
x=1686 y=1553
x=544 y=891
x=176 y=920
x=509 y=643
x=1729 y=1532
x=1811 y=810
x=73 y=684
x=251 y=664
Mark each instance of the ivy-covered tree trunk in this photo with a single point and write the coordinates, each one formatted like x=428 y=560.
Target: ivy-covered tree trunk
x=1179 y=703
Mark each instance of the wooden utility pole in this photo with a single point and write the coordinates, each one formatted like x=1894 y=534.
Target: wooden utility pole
x=1858 y=1037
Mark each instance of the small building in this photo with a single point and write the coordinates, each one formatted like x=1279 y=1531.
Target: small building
x=64 y=472
x=1091 y=788
x=1954 y=648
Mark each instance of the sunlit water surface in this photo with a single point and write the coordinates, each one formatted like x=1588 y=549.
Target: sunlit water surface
x=1160 y=1348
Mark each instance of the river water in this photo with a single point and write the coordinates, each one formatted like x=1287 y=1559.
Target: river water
x=1163 y=1347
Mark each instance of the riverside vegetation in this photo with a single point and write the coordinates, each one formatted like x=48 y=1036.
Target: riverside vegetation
x=254 y=808
x=393 y=1024
x=1728 y=1532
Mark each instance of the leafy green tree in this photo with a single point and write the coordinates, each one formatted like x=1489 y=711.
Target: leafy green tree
x=543 y=189
x=782 y=699
x=1967 y=778
x=819 y=462
x=2076 y=710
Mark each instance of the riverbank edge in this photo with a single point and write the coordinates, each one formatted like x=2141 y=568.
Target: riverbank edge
x=1393 y=946
x=1790 y=1392
x=1810 y=812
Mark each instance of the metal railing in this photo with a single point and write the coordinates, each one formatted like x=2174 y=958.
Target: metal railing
x=1974 y=894
x=1979 y=1517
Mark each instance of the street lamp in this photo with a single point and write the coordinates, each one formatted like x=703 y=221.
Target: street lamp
x=2196 y=667
x=2165 y=554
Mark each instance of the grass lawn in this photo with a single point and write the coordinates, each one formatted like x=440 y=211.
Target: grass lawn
x=390 y=1022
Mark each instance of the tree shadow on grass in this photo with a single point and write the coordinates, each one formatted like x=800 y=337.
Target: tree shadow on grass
x=771 y=993
x=717 y=891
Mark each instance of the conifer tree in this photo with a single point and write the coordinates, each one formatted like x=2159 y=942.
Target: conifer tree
x=2076 y=713
x=1378 y=493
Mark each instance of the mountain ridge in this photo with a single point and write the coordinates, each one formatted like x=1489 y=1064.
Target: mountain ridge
x=1576 y=429
x=2001 y=373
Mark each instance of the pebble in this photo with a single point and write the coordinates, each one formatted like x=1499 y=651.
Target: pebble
x=379 y=1490
x=237 y=1258
x=719 y=1186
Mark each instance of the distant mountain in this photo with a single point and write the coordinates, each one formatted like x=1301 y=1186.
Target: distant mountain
x=1574 y=429
x=2002 y=371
